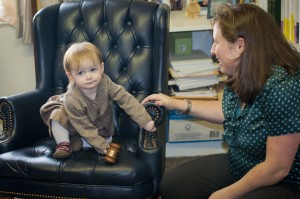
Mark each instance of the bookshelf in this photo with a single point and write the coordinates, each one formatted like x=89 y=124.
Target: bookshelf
x=201 y=29
x=179 y=23
x=287 y=15
x=196 y=63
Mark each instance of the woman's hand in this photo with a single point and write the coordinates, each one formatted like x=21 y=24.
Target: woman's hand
x=162 y=100
x=208 y=110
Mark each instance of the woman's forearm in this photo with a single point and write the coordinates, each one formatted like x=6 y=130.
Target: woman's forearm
x=281 y=151
x=260 y=176
x=208 y=110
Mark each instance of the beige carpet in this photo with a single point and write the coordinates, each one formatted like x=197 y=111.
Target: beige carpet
x=173 y=162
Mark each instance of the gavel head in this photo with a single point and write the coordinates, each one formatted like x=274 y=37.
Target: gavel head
x=112 y=153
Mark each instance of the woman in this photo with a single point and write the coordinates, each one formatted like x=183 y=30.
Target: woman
x=260 y=112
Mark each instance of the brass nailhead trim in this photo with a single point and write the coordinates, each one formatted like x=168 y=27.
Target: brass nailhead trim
x=7 y=129
x=35 y=195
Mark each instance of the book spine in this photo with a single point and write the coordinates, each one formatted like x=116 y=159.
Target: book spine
x=297 y=22
x=292 y=10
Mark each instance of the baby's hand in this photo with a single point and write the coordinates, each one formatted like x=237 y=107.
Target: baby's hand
x=150 y=127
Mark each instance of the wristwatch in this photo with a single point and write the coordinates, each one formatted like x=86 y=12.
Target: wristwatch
x=188 y=107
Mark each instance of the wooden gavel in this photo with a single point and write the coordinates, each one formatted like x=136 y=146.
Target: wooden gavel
x=112 y=153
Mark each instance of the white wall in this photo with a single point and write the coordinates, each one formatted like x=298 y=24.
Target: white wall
x=195 y=148
x=17 y=73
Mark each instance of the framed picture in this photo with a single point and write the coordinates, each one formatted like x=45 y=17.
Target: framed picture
x=176 y=5
x=213 y=4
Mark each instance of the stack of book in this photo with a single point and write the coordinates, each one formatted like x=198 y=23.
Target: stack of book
x=193 y=76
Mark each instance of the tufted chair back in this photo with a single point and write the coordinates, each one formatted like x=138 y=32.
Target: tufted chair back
x=126 y=32
x=133 y=38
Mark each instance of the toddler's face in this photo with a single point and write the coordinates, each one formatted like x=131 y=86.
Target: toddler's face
x=88 y=76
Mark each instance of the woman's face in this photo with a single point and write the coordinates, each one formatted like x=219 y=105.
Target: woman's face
x=228 y=54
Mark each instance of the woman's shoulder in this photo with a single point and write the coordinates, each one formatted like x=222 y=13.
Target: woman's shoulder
x=282 y=84
x=280 y=76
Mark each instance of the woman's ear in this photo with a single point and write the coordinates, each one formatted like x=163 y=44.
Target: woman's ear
x=241 y=45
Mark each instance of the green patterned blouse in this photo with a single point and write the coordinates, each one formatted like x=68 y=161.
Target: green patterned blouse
x=276 y=111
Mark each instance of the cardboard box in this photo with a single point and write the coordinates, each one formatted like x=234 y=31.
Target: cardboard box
x=184 y=128
x=181 y=43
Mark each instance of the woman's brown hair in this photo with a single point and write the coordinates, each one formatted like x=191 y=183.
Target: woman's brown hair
x=265 y=45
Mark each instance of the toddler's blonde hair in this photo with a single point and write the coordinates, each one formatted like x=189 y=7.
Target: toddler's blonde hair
x=78 y=52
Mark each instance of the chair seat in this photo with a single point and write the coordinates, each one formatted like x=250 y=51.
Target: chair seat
x=83 y=167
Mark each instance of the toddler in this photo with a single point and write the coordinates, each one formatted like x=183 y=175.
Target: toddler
x=85 y=110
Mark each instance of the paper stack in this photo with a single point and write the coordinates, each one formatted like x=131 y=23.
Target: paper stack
x=193 y=76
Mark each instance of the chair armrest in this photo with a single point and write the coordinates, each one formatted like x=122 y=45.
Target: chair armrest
x=157 y=114
x=154 y=154
x=155 y=158
x=21 y=121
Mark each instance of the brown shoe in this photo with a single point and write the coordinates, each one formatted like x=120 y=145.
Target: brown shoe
x=63 y=150
x=75 y=143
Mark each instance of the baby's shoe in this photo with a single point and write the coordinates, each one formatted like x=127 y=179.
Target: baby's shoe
x=63 y=150
x=75 y=143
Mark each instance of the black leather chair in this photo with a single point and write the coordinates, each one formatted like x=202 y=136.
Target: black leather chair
x=133 y=37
